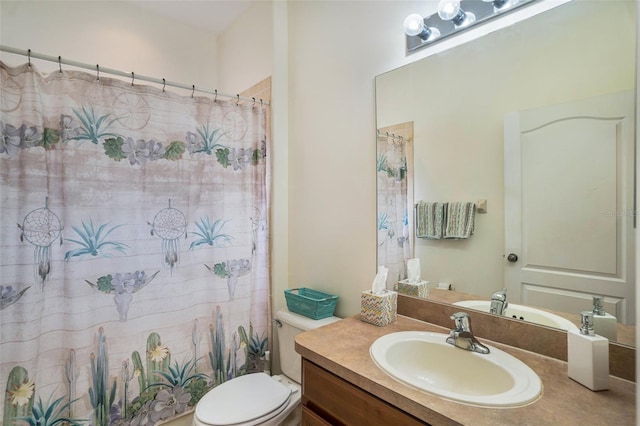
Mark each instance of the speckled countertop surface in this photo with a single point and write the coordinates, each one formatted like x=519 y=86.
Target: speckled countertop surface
x=343 y=349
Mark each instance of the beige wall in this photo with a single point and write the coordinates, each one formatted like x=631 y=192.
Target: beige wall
x=245 y=49
x=110 y=34
x=335 y=51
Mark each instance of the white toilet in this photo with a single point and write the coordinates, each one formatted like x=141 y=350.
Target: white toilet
x=259 y=399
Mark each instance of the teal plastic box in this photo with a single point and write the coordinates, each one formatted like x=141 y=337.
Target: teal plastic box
x=311 y=303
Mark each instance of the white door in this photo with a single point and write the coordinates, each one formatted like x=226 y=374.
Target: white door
x=569 y=174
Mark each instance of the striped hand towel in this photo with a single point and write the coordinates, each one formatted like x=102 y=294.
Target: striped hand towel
x=430 y=219
x=460 y=220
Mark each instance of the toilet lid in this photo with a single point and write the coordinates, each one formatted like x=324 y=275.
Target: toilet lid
x=242 y=400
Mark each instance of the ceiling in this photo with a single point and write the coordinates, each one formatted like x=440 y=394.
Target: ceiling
x=212 y=16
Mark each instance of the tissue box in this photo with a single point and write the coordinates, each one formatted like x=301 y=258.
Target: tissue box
x=378 y=309
x=418 y=289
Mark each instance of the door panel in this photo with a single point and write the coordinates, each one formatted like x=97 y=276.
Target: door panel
x=568 y=204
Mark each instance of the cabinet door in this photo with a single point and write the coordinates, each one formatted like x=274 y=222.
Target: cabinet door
x=309 y=418
x=338 y=402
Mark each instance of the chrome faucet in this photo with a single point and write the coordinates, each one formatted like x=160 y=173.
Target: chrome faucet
x=462 y=337
x=499 y=302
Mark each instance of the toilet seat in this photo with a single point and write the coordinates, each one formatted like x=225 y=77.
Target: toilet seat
x=248 y=400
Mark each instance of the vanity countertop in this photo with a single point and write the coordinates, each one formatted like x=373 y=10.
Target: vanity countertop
x=343 y=349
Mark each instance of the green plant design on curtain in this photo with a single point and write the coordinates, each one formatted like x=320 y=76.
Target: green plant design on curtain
x=207 y=142
x=93 y=241
x=71 y=374
x=257 y=348
x=20 y=404
x=50 y=413
x=18 y=399
x=218 y=352
x=210 y=233
x=101 y=394
x=92 y=127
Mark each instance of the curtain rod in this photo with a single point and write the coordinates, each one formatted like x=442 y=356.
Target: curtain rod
x=391 y=135
x=59 y=60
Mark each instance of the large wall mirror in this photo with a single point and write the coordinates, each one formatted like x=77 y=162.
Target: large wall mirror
x=518 y=118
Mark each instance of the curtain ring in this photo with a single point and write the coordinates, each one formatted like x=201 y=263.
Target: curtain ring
x=216 y=98
x=254 y=101
x=237 y=99
x=260 y=102
x=97 y=72
x=164 y=83
x=133 y=76
x=60 y=64
x=193 y=89
x=29 y=58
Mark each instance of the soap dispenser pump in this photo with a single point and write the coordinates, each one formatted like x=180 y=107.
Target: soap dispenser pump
x=604 y=324
x=588 y=355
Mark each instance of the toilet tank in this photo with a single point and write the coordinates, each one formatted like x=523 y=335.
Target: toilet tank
x=293 y=324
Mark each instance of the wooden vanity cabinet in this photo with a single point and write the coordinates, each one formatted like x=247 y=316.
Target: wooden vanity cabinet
x=329 y=400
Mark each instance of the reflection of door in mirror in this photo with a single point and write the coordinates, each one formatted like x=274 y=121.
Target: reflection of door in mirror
x=568 y=205
x=395 y=196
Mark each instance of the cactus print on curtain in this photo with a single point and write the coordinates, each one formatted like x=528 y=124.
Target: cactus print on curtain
x=133 y=248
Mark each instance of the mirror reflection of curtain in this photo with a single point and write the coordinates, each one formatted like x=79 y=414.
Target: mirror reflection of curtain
x=137 y=277
x=395 y=217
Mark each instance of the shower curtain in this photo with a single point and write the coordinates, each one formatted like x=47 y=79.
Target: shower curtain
x=394 y=243
x=133 y=248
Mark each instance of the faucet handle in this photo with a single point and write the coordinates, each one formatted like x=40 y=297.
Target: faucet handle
x=500 y=295
x=462 y=321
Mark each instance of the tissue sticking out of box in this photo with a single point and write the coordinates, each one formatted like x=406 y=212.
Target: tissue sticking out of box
x=413 y=270
x=380 y=281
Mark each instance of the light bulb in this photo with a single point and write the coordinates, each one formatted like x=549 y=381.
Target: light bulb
x=414 y=24
x=433 y=34
x=501 y=4
x=468 y=19
x=448 y=9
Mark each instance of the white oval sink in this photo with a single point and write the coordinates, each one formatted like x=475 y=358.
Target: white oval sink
x=522 y=312
x=425 y=361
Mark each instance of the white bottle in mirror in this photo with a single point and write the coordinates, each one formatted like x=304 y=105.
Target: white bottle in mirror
x=604 y=324
x=588 y=355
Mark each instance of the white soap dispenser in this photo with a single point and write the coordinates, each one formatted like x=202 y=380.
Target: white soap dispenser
x=604 y=324
x=588 y=355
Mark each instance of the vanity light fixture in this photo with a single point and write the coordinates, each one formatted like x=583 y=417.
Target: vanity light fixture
x=452 y=17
